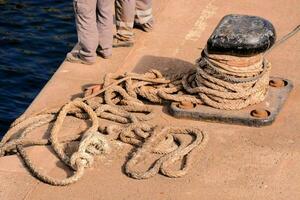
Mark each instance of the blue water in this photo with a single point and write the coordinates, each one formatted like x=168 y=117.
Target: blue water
x=35 y=36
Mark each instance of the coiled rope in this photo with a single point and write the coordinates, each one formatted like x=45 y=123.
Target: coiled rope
x=117 y=101
x=220 y=81
x=120 y=101
x=228 y=82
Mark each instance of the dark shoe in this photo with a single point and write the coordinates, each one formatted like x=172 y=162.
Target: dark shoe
x=122 y=43
x=103 y=55
x=75 y=58
x=147 y=27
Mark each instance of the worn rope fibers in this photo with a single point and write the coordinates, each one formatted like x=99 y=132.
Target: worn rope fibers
x=118 y=102
x=220 y=81
x=229 y=82
x=215 y=82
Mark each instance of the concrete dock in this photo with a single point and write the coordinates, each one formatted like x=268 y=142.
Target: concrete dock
x=238 y=163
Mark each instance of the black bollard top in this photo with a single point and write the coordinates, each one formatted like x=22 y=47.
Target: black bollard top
x=241 y=35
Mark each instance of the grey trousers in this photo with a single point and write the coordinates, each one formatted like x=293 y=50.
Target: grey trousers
x=94 y=23
x=130 y=12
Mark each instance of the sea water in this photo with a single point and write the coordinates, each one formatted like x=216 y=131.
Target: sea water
x=35 y=36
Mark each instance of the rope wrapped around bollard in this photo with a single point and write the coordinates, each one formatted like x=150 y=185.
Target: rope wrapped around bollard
x=224 y=82
x=118 y=101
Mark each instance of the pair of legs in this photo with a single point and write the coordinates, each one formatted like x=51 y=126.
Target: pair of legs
x=94 y=23
x=130 y=13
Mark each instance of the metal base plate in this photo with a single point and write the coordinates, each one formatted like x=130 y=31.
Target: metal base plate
x=272 y=104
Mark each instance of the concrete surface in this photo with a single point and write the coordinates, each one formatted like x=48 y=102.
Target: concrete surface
x=238 y=163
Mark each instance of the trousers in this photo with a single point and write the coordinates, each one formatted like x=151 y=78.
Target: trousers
x=130 y=12
x=94 y=24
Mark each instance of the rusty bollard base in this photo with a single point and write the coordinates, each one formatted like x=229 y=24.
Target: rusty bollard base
x=258 y=115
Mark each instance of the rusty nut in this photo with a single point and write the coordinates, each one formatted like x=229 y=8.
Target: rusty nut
x=277 y=83
x=260 y=113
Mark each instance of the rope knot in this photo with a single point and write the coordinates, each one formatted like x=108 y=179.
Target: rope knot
x=92 y=143
x=81 y=160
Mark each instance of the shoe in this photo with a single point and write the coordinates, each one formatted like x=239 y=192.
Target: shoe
x=147 y=27
x=102 y=55
x=122 y=43
x=74 y=57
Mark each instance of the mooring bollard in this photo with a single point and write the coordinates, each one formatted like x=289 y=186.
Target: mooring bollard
x=233 y=76
x=242 y=35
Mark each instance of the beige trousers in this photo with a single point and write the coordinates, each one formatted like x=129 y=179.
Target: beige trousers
x=94 y=23
x=130 y=12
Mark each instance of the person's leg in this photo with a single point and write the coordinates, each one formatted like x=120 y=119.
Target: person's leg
x=85 y=16
x=144 y=17
x=125 y=12
x=105 y=27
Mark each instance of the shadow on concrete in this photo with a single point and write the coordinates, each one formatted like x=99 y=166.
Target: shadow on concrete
x=165 y=65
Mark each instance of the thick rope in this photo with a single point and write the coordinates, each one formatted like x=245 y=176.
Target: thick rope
x=120 y=101
x=224 y=83
x=215 y=82
x=220 y=81
x=116 y=101
x=92 y=143
x=162 y=164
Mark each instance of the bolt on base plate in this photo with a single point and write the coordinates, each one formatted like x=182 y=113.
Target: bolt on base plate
x=261 y=114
